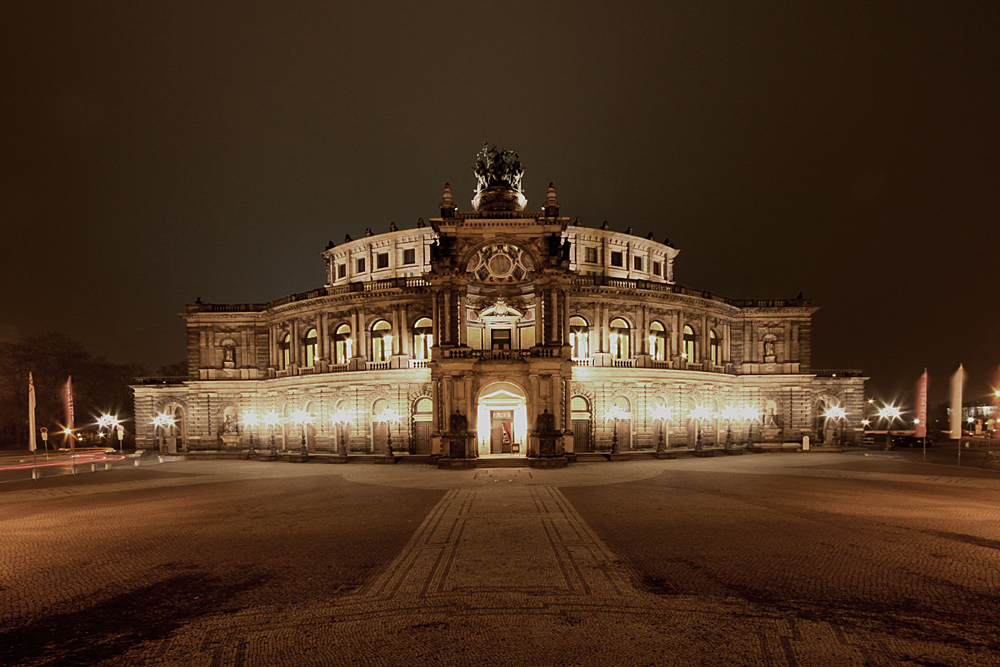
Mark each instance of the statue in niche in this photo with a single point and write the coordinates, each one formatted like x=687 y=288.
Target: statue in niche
x=230 y=425
x=229 y=356
x=458 y=423
x=546 y=423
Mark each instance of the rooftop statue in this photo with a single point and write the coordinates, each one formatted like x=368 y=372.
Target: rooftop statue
x=498 y=180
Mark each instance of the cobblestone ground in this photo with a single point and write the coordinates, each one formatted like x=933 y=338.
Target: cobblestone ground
x=810 y=559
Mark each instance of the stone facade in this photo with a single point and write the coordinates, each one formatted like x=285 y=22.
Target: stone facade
x=502 y=316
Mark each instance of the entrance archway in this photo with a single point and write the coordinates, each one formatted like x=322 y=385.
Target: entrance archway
x=502 y=420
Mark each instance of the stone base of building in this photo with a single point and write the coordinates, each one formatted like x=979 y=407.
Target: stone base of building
x=665 y=455
x=555 y=462
x=456 y=464
x=299 y=458
x=733 y=451
x=619 y=457
x=337 y=459
x=704 y=453
x=384 y=459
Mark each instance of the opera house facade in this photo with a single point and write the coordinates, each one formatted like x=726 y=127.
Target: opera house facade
x=498 y=331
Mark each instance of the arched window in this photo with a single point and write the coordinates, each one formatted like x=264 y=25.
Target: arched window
x=310 y=349
x=715 y=345
x=579 y=337
x=620 y=335
x=342 y=344
x=424 y=406
x=423 y=339
x=657 y=342
x=285 y=351
x=381 y=341
x=690 y=349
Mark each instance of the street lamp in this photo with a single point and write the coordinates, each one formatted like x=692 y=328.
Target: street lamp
x=388 y=417
x=341 y=419
x=272 y=419
x=163 y=421
x=838 y=414
x=728 y=415
x=699 y=413
x=890 y=413
x=110 y=423
x=616 y=414
x=302 y=418
x=750 y=414
x=250 y=419
x=661 y=413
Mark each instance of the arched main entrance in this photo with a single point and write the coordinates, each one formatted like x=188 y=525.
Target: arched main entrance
x=502 y=420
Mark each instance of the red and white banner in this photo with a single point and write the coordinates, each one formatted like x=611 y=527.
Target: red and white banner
x=31 y=412
x=921 y=429
x=68 y=406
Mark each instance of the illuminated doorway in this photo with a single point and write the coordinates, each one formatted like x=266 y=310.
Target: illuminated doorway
x=502 y=420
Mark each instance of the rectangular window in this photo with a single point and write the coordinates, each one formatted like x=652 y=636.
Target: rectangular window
x=409 y=256
x=590 y=255
x=500 y=339
x=616 y=258
x=361 y=265
x=342 y=270
x=382 y=260
x=656 y=268
x=637 y=263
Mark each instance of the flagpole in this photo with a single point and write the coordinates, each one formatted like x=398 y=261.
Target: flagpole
x=31 y=426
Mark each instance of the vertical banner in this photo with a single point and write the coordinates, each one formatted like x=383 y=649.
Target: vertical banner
x=68 y=406
x=957 y=380
x=31 y=412
x=921 y=430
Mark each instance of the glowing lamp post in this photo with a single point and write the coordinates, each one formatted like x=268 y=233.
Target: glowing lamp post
x=111 y=424
x=838 y=414
x=388 y=417
x=163 y=422
x=250 y=419
x=272 y=419
x=616 y=414
x=750 y=414
x=661 y=413
x=890 y=413
x=699 y=414
x=341 y=419
x=729 y=414
x=302 y=418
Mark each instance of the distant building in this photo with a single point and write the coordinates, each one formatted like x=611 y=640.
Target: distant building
x=499 y=315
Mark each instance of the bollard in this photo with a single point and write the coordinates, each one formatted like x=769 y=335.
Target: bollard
x=93 y=467
x=136 y=462
x=107 y=465
x=34 y=473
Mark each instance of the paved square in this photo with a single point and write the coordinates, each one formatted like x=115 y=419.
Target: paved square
x=810 y=559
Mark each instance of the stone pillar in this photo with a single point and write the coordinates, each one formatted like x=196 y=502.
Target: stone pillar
x=404 y=330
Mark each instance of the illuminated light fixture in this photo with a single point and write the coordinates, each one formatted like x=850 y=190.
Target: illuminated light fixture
x=684 y=355
x=836 y=412
x=750 y=413
x=701 y=412
x=302 y=417
x=662 y=412
x=730 y=413
x=388 y=416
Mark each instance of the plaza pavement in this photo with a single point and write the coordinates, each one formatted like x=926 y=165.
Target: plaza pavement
x=805 y=559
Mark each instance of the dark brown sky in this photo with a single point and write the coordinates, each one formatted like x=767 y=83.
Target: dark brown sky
x=154 y=152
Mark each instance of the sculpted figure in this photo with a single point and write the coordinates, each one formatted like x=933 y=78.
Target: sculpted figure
x=546 y=422
x=459 y=424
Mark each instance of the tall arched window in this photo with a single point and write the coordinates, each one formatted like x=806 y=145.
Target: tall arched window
x=620 y=335
x=310 y=349
x=579 y=337
x=342 y=344
x=690 y=348
x=423 y=338
x=657 y=342
x=285 y=351
x=715 y=345
x=381 y=341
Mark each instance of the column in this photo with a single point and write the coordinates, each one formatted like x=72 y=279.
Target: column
x=404 y=329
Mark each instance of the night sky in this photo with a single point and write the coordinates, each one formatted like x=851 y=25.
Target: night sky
x=155 y=152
